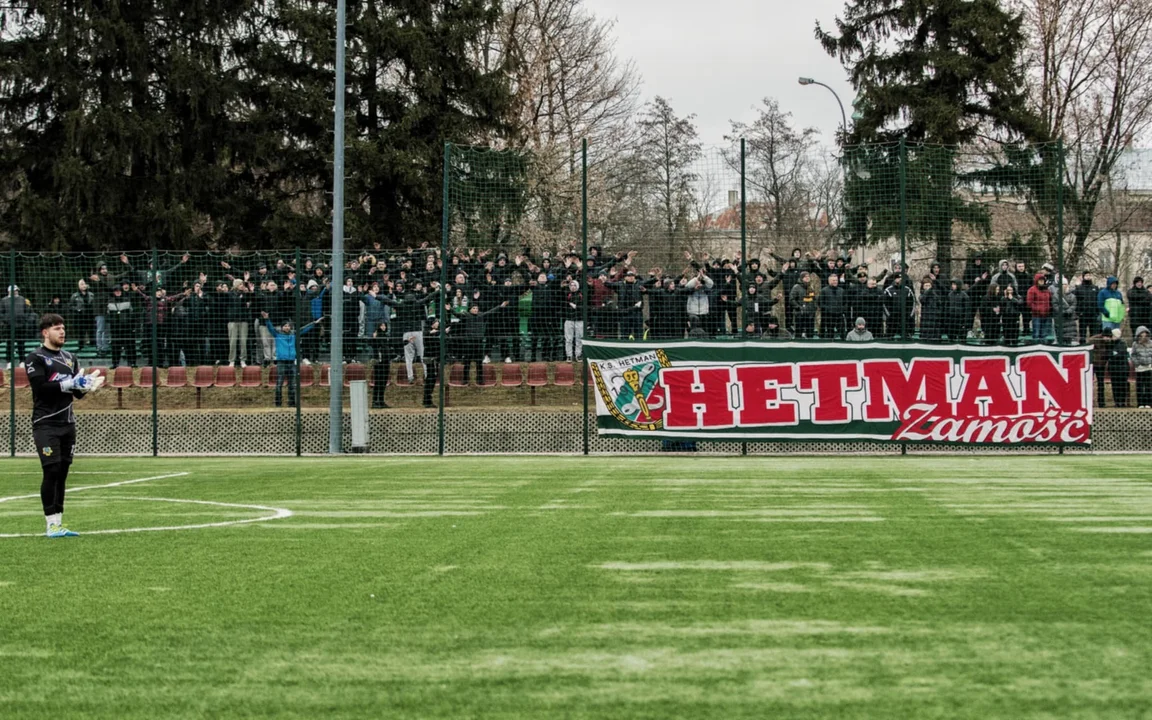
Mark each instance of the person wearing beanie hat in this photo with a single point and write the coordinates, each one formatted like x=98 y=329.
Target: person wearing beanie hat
x=860 y=332
x=1139 y=305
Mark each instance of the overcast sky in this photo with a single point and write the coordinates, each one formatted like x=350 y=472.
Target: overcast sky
x=720 y=58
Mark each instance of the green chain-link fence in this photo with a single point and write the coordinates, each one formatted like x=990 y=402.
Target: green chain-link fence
x=474 y=343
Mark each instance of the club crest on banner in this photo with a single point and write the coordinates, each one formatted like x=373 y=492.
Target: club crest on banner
x=630 y=388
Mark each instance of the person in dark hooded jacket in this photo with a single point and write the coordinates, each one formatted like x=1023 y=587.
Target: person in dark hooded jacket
x=1011 y=312
x=630 y=301
x=1086 y=293
x=757 y=309
x=957 y=313
x=1118 y=369
x=667 y=317
x=931 y=311
x=544 y=323
x=1139 y=305
x=869 y=304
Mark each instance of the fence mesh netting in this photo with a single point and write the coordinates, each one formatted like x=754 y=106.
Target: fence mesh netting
x=476 y=336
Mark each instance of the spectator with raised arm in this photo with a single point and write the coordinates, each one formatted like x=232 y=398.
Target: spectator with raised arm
x=286 y=365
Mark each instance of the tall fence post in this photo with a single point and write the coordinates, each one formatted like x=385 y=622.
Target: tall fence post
x=12 y=359
x=903 y=238
x=743 y=251
x=155 y=288
x=336 y=371
x=296 y=341
x=1060 y=270
x=444 y=259
x=903 y=249
x=585 y=280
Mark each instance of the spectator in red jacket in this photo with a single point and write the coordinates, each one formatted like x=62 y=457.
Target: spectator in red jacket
x=1039 y=302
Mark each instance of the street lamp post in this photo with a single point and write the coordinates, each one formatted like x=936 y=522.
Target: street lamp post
x=843 y=128
x=843 y=116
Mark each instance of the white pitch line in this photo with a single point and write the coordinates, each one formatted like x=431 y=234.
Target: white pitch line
x=98 y=487
x=277 y=513
x=73 y=472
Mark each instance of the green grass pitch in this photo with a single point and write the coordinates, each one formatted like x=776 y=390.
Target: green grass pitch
x=647 y=587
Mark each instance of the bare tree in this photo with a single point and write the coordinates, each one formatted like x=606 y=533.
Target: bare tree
x=568 y=85
x=1089 y=68
x=777 y=169
x=667 y=150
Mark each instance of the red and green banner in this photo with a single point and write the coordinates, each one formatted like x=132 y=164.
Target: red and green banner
x=755 y=390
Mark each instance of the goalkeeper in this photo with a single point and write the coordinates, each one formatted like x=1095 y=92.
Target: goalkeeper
x=56 y=380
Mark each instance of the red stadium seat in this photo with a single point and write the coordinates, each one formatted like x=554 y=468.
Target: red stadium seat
x=307 y=376
x=2 y=384
x=121 y=378
x=272 y=374
x=145 y=379
x=565 y=375
x=251 y=377
x=537 y=378
x=487 y=376
x=325 y=376
x=511 y=375
x=204 y=376
x=177 y=377
x=456 y=375
x=354 y=371
x=537 y=374
x=225 y=377
x=20 y=377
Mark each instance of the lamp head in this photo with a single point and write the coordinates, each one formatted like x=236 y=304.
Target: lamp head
x=806 y=81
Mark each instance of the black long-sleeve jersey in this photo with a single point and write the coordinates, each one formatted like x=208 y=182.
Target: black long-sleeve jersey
x=46 y=369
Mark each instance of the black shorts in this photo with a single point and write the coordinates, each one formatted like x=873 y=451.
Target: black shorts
x=55 y=444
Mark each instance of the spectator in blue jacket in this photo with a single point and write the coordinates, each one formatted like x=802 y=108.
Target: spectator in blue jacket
x=286 y=355
x=1110 y=303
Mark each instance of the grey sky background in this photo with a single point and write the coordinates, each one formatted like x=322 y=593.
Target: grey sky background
x=720 y=59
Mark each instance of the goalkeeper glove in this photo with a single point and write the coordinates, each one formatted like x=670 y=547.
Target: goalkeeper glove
x=76 y=382
x=91 y=383
x=83 y=383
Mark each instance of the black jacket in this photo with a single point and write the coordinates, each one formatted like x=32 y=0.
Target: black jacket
x=832 y=302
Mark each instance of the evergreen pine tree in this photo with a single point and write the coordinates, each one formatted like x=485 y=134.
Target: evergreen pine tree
x=937 y=74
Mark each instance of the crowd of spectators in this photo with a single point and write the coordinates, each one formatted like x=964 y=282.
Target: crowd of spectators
x=523 y=306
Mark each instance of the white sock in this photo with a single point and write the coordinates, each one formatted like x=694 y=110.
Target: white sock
x=56 y=519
